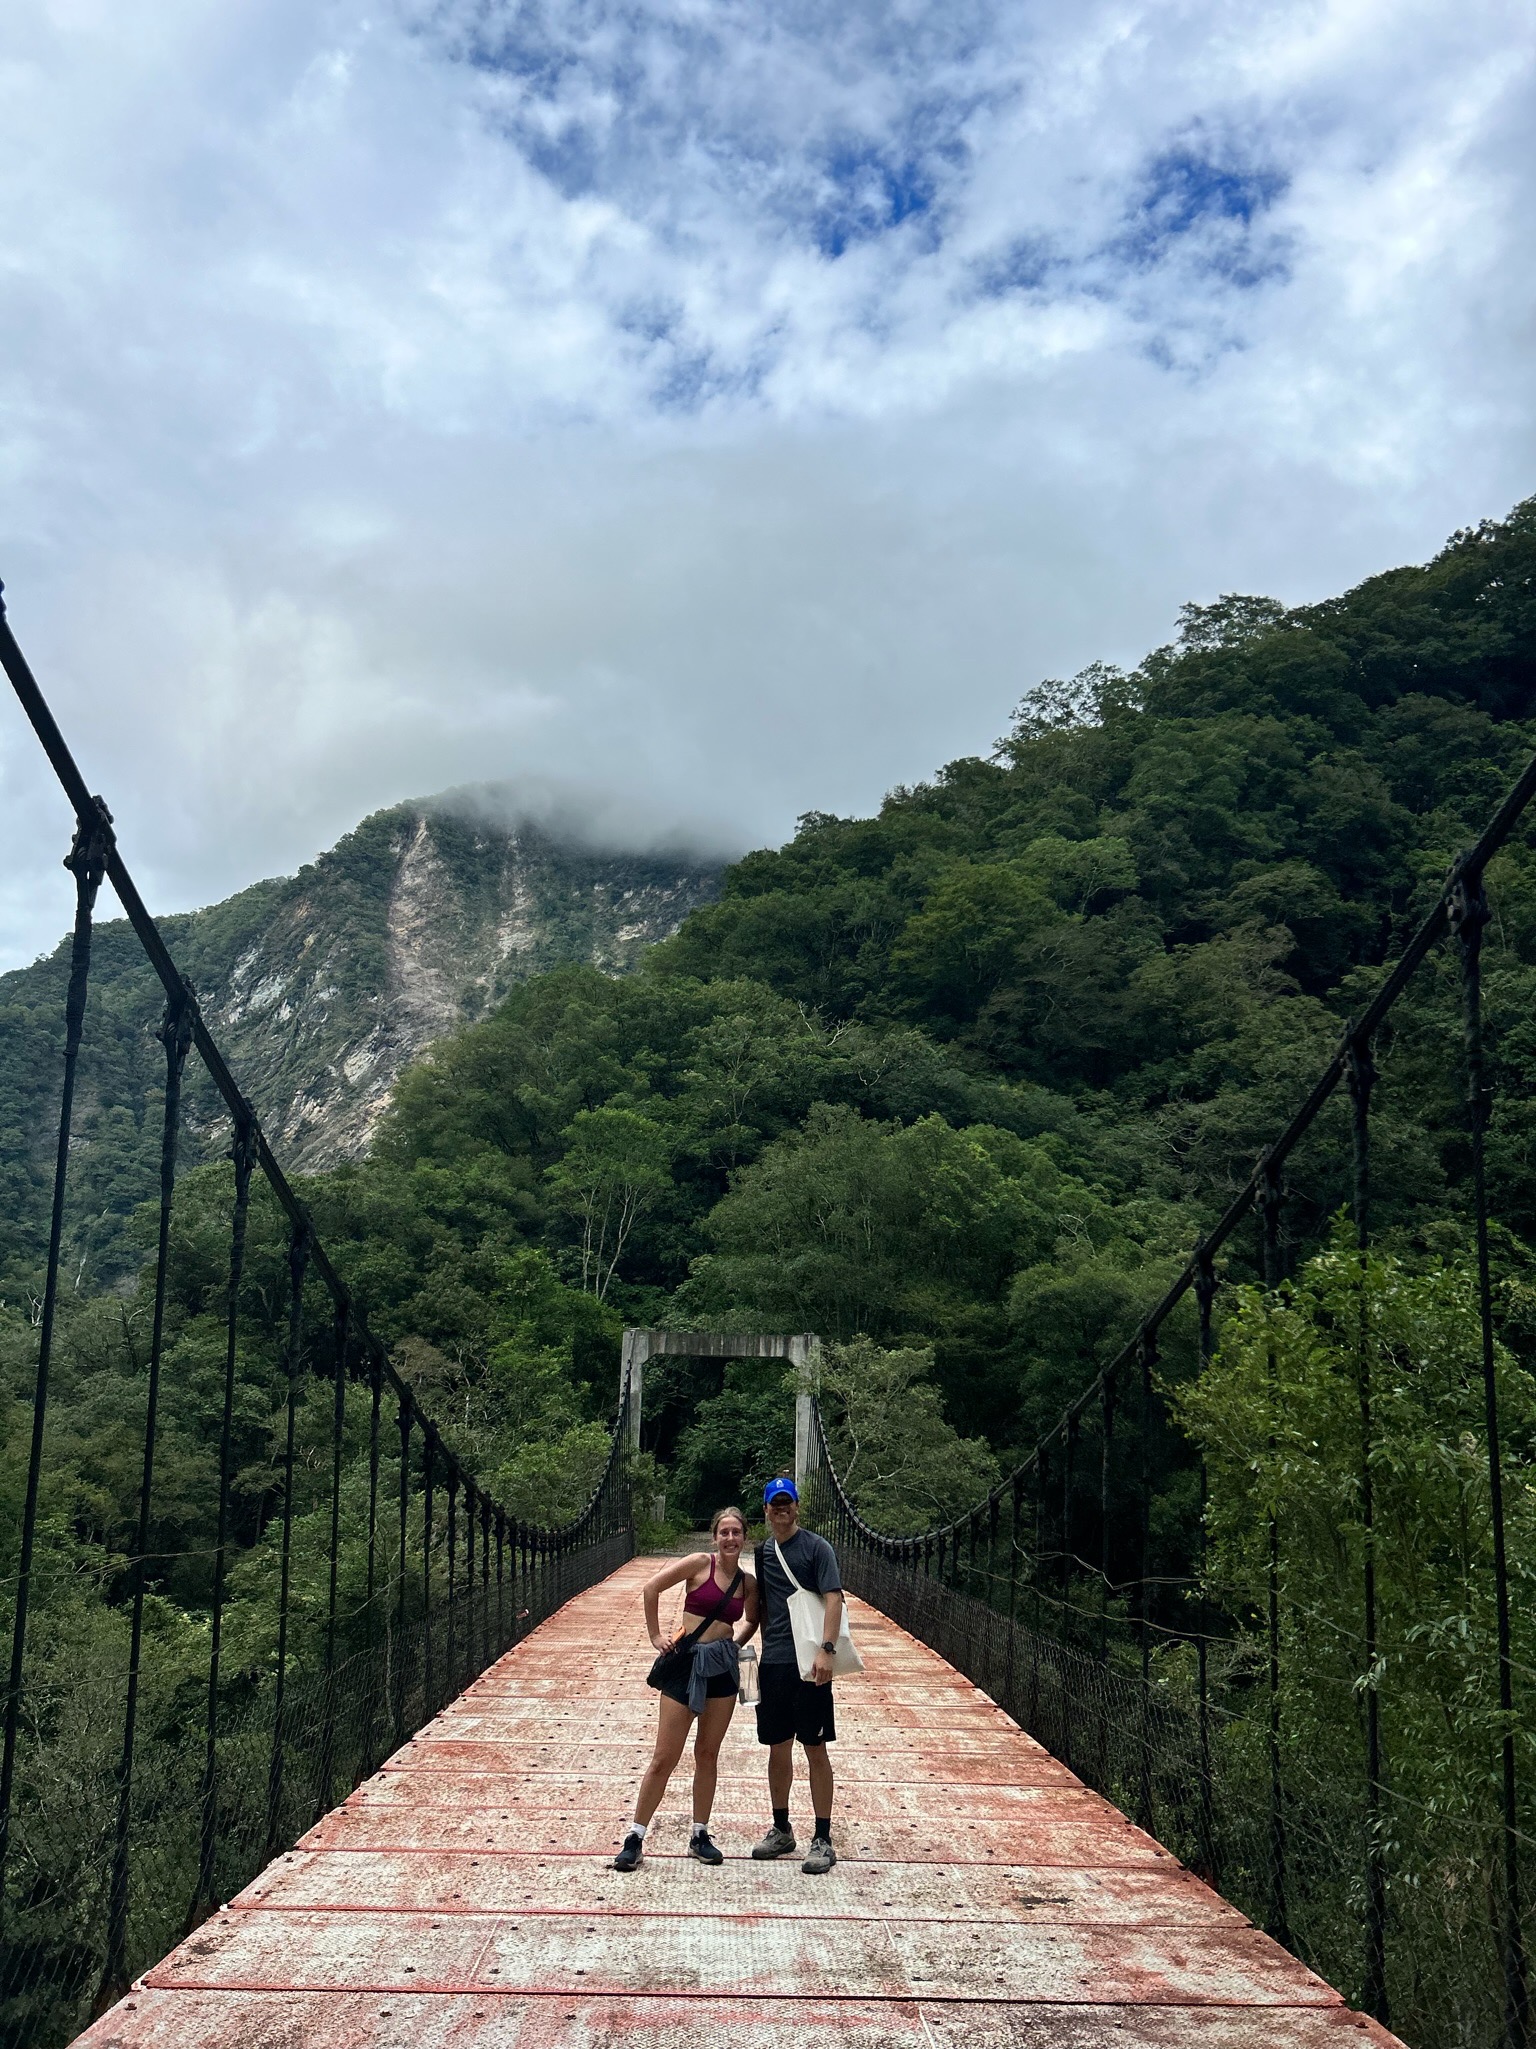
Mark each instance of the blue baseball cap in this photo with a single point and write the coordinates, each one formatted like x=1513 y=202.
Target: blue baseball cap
x=777 y=1487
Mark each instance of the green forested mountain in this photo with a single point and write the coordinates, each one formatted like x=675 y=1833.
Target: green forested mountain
x=320 y=987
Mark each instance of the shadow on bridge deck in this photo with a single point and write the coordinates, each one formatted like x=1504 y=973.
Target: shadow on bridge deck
x=462 y=1898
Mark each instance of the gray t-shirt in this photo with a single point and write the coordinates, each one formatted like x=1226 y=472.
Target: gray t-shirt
x=814 y=1563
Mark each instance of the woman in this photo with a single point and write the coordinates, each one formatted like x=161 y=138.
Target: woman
x=703 y=1682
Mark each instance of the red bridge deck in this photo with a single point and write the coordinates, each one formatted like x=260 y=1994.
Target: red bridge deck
x=462 y=1898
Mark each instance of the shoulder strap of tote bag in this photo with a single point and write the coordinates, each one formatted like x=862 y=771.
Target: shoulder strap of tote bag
x=778 y=1553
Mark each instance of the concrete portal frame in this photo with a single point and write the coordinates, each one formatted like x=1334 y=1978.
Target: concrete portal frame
x=802 y=1351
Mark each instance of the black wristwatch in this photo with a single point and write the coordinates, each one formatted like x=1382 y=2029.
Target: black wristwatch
x=829 y=1648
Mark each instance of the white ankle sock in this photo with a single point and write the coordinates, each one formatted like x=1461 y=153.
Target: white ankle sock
x=637 y=1828
x=700 y=1828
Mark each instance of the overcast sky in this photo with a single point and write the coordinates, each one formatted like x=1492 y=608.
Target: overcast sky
x=704 y=411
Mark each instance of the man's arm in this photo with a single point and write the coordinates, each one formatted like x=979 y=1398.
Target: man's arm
x=752 y=1613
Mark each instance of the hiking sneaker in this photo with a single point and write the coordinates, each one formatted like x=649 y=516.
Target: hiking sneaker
x=777 y=1843
x=701 y=1847
x=629 y=1856
x=822 y=1856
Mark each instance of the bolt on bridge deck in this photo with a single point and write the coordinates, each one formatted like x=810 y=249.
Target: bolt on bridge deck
x=462 y=1897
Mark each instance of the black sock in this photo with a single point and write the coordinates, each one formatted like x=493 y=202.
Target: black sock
x=824 y=1827
x=781 y=1818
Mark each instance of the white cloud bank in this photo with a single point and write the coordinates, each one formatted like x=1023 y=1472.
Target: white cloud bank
x=713 y=410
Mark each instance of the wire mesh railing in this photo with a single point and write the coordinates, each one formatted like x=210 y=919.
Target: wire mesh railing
x=152 y=1763
x=1349 y=1767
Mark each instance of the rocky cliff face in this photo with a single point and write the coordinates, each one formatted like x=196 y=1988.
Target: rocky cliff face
x=416 y=923
x=320 y=988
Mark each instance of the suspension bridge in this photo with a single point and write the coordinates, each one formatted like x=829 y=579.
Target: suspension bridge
x=1077 y=1805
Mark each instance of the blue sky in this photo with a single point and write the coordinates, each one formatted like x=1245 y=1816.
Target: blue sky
x=699 y=413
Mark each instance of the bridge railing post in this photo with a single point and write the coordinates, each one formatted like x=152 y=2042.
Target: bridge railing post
x=1468 y=917
x=806 y=1354
x=636 y=1349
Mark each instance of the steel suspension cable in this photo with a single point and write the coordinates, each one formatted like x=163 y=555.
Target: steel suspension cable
x=87 y=862
x=340 y=1343
x=485 y=1581
x=243 y=1157
x=403 y=1419
x=428 y=1478
x=375 y=1399
x=1205 y=1298
x=453 y=1554
x=298 y=1262
x=175 y=1036
x=1360 y=1074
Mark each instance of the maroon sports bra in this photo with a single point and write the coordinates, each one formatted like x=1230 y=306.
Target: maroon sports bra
x=705 y=1600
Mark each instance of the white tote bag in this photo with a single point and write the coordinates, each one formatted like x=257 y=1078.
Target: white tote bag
x=808 y=1623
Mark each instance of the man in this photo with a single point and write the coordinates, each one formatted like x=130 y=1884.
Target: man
x=790 y=1708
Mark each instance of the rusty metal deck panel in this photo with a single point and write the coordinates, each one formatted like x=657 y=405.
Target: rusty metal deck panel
x=387 y=1882
x=463 y=1898
x=1051 y=1836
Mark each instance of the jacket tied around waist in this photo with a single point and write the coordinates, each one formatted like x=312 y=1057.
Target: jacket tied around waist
x=712 y=1661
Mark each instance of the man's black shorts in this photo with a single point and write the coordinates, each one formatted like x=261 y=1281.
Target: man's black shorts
x=789 y=1706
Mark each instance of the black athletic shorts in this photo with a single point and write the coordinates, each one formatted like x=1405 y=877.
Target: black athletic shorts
x=789 y=1706
x=717 y=1688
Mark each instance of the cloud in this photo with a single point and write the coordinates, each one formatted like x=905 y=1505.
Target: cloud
x=715 y=410
x=600 y=816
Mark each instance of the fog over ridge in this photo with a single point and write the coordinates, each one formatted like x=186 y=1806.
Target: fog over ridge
x=595 y=818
